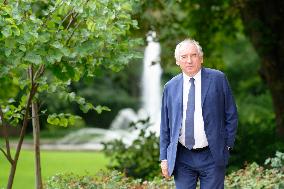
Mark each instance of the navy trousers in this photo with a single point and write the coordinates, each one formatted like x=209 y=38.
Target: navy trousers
x=192 y=166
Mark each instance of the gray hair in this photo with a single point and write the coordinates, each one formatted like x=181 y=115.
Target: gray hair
x=188 y=41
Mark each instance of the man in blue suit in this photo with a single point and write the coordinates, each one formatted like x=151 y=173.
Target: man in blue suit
x=198 y=122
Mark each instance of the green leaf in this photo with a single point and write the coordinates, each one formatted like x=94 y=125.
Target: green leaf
x=91 y=25
x=135 y=24
x=72 y=96
x=57 y=45
x=80 y=100
x=54 y=56
x=65 y=51
x=64 y=122
x=57 y=72
x=18 y=57
x=27 y=37
x=72 y=120
x=33 y=58
x=77 y=75
x=16 y=30
x=10 y=21
x=62 y=119
x=7 y=32
x=53 y=120
x=86 y=107
x=10 y=43
x=100 y=109
x=22 y=48
x=5 y=10
x=8 y=52
x=21 y=41
x=34 y=34
x=85 y=48
x=126 y=7
x=44 y=37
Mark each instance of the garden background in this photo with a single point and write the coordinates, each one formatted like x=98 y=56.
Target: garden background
x=70 y=65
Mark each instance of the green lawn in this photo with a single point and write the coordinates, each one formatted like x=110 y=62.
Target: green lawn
x=52 y=162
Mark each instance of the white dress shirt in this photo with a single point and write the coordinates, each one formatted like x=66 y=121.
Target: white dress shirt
x=199 y=133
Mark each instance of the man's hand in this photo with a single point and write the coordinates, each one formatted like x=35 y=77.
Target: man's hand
x=164 y=167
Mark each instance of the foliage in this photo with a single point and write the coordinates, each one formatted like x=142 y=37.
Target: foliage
x=62 y=41
x=101 y=90
x=209 y=22
x=277 y=161
x=254 y=102
x=110 y=180
x=255 y=176
x=215 y=24
x=218 y=26
x=140 y=159
x=47 y=45
x=70 y=181
x=252 y=176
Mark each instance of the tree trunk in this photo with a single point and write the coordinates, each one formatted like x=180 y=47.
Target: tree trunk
x=32 y=92
x=36 y=136
x=263 y=24
x=21 y=139
x=276 y=86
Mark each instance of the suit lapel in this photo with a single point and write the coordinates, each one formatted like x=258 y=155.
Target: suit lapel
x=179 y=91
x=179 y=94
x=205 y=82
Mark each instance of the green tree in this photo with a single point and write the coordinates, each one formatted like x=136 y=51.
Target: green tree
x=219 y=27
x=47 y=45
x=216 y=22
x=263 y=26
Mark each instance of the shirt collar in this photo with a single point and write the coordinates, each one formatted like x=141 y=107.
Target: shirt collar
x=196 y=77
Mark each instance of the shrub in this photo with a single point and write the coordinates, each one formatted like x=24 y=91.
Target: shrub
x=140 y=159
x=277 y=161
x=104 y=180
x=254 y=176
x=70 y=181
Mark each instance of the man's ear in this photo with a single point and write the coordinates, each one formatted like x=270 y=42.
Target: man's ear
x=177 y=63
x=201 y=60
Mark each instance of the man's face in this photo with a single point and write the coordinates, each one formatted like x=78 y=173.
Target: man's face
x=189 y=59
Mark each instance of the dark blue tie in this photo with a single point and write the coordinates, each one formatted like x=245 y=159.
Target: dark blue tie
x=189 y=120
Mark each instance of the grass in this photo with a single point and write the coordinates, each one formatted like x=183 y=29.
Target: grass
x=53 y=162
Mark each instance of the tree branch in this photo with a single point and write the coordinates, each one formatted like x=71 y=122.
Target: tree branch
x=6 y=136
x=9 y=158
x=73 y=32
x=73 y=18
x=39 y=72
x=39 y=115
x=49 y=15
x=2 y=150
x=67 y=15
x=31 y=73
x=33 y=90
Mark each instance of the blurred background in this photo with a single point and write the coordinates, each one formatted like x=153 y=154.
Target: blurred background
x=244 y=39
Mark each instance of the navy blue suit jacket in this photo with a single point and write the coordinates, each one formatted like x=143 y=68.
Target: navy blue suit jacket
x=219 y=115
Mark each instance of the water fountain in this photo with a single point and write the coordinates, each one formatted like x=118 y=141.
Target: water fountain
x=90 y=138
x=150 y=87
x=151 y=81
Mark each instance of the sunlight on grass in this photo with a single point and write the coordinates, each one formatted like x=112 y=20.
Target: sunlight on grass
x=53 y=162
